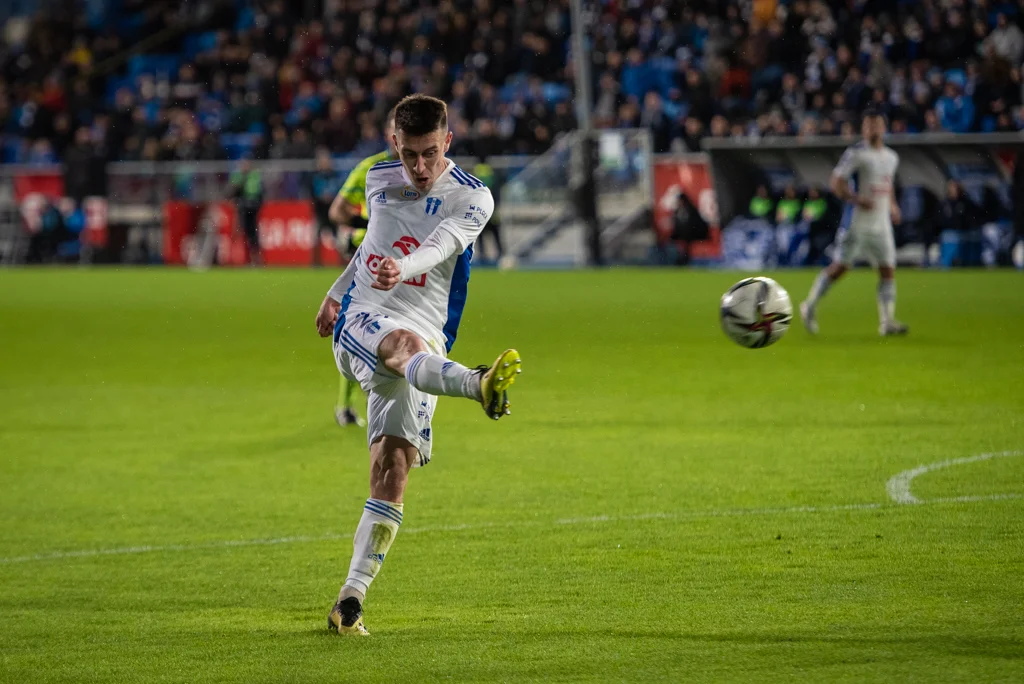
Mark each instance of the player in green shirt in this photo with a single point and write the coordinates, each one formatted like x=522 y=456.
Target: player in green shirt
x=350 y=213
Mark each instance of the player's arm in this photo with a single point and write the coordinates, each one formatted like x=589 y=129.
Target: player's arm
x=328 y=313
x=452 y=236
x=840 y=181
x=342 y=211
x=346 y=204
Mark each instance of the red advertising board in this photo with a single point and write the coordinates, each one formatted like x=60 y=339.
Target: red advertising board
x=181 y=221
x=694 y=178
x=49 y=185
x=285 y=230
x=286 y=235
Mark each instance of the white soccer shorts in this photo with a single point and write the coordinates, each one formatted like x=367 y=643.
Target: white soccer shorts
x=878 y=249
x=394 y=407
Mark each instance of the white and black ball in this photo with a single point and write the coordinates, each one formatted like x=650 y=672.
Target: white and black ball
x=756 y=312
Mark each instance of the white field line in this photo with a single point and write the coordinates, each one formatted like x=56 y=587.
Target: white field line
x=898 y=486
x=682 y=515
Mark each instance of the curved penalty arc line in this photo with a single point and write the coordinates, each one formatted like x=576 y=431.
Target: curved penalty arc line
x=898 y=486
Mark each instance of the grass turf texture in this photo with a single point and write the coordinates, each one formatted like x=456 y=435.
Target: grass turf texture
x=633 y=521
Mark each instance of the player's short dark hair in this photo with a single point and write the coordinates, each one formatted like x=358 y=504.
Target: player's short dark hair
x=871 y=112
x=419 y=115
x=391 y=116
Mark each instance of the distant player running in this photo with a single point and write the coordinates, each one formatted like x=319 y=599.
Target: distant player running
x=867 y=224
x=349 y=210
x=395 y=319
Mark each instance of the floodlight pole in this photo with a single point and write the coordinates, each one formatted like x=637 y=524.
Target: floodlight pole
x=584 y=185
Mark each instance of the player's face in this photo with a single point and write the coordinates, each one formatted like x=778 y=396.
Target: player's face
x=423 y=156
x=873 y=129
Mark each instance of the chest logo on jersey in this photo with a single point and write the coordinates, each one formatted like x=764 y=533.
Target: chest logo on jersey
x=406 y=244
x=382 y=198
x=433 y=204
x=410 y=194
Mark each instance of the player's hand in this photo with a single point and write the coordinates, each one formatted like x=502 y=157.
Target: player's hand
x=388 y=274
x=896 y=214
x=327 y=316
x=865 y=203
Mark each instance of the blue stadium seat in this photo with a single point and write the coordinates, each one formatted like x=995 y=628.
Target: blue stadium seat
x=154 y=65
x=238 y=145
x=554 y=92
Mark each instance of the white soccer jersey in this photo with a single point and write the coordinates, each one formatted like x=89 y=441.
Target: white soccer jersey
x=401 y=218
x=872 y=172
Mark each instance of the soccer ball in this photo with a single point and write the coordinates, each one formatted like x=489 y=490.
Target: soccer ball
x=756 y=312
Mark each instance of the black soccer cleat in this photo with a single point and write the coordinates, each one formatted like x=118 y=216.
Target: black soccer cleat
x=347 y=618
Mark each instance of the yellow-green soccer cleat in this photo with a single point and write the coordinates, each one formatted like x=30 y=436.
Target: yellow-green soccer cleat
x=346 y=618
x=495 y=380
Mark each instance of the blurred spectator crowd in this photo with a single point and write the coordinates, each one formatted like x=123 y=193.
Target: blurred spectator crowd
x=238 y=78
x=254 y=79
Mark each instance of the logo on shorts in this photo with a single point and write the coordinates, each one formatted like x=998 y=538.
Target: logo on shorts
x=424 y=414
x=425 y=434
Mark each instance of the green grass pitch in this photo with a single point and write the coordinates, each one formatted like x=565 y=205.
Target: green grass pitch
x=177 y=503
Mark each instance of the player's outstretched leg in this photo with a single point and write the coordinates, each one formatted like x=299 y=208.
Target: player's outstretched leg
x=824 y=281
x=887 y=323
x=487 y=384
x=390 y=461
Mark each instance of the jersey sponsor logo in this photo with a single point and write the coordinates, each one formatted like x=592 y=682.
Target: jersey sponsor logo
x=382 y=198
x=407 y=244
x=373 y=263
x=410 y=194
x=433 y=204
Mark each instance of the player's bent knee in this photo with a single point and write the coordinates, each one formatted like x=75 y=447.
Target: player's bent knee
x=398 y=347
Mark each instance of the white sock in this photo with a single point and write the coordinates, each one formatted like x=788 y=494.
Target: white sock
x=821 y=285
x=437 y=375
x=886 y=301
x=377 y=529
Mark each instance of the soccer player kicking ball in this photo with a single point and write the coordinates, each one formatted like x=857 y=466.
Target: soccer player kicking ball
x=394 y=314
x=867 y=229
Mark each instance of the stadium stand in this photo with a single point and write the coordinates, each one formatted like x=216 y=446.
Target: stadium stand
x=228 y=79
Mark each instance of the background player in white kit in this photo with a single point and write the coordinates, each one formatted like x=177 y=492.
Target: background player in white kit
x=867 y=229
x=394 y=320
